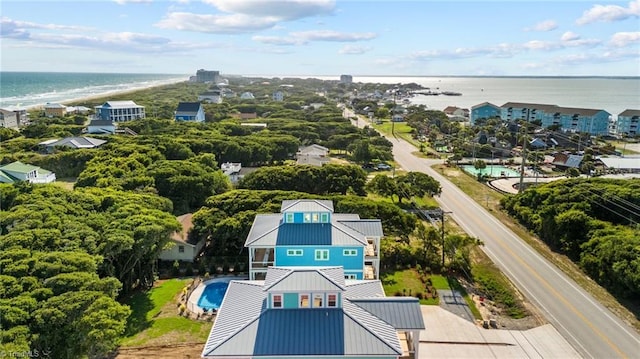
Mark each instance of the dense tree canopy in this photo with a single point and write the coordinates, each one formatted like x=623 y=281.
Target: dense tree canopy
x=594 y=221
x=66 y=256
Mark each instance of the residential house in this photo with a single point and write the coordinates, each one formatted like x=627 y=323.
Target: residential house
x=211 y=96
x=72 y=142
x=309 y=233
x=485 y=111
x=620 y=164
x=104 y=127
x=314 y=155
x=278 y=96
x=563 y=161
x=8 y=119
x=247 y=96
x=119 y=111
x=189 y=111
x=232 y=171
x=628 y=123
x=592 y=121
x=179 y=248
x=55 y=110
x=313 y=313
x=456 y=113
x=18 y=171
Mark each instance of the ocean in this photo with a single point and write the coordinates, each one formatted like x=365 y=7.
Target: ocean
x=29 y=89
x=612 y=94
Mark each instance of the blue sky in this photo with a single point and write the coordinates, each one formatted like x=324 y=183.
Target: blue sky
x=323 y=37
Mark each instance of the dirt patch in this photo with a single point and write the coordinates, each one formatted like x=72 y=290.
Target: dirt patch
x=172 y=351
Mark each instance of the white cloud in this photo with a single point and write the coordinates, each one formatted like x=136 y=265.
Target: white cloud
x=569 y=36
x=304 y=37
x=222 y=24
x=353 y=50
x=328 y=35
x=281 y=9
x=546 y=25
x=123 y=2
x=610 y=13
x=622 y=39
x=241 y=16
x=275 y=40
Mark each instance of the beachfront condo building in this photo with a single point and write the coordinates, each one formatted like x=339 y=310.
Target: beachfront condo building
x=307 y=233
x=8 y=119
x=299 y=313
x=483 y=111
x=627 y=123
x=119 y=111
x=592 y=121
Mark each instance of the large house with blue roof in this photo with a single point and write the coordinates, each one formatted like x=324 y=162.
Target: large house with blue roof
x=313 y=312
x=309 y=233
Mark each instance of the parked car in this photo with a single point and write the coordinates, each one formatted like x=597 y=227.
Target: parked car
x=383 y=167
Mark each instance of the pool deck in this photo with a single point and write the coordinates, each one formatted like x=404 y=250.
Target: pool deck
x=192 y=301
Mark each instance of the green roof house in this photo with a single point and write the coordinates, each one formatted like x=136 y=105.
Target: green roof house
x=18 y=171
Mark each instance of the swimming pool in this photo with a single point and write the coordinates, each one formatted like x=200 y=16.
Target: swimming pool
x=492 y=171
x=213 y=294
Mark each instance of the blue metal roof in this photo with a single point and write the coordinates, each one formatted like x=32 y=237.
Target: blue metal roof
x=318 y=234
x=400 y=312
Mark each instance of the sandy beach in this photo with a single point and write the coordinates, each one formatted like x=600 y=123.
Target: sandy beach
x=94 y=96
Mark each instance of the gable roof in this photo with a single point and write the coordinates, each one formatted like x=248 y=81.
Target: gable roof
x=186 y=223
x=120 y=104
x=630 y=112
x=19 y=167
x=188 y=107
x=308 y=279
x=101 y=123
x=307 y=205
x=485 y=104
x=246 y=327
x=75 y=142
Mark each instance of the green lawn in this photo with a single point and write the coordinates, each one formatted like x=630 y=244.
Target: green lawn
x=408 y=283
x=154 y=318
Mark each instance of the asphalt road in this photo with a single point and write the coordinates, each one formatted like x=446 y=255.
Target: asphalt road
x=587 y=325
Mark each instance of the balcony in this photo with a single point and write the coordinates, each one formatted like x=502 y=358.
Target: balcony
x=262 y=258
x=369 y=272
x=371 y=250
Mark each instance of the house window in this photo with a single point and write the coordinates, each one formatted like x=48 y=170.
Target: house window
x=307 y=218
x=294 y=252
x=332 y=300
x=350 y=252
x=315 y=217
x=288 y=218
x=324 y=217
x=304 y=301
x=277 y=301
x=317 y=300
x=322 y=254
x=350 y=276
x=180 y=249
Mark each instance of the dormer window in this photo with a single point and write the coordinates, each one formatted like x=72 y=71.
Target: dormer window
x=324 y=217
x=315 y=217
x=317 y=300
x=332 y=300
x=288 y=217
x=277 y=301
x=307 y=218
x=304 y=301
